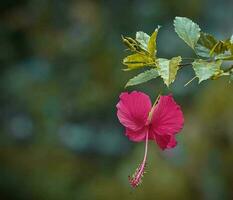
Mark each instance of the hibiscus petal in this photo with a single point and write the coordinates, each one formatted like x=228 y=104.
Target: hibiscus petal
x=165 y=141
x=136 y=136
x=133 y=109
x=172 y=143
x=167 y=117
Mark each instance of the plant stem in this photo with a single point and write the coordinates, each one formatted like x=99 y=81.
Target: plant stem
x=190 y=81
x=185 y=64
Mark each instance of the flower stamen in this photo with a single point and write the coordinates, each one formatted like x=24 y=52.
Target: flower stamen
x=136 y=179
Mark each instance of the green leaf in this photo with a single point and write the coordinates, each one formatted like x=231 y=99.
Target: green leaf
x=205 y=70
x=143 y=77
x=167 y=69
x=224 y=57
x=231 y=40
x=207 y=40
x=207 y=46
x=187 y=30
x=205 y=43
x=143 y=39
x=202 y=51
x=137 y=60
x=219 y=48
x=152 y=43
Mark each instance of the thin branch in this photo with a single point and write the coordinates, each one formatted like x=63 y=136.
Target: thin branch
x=185 y=64
x=190 y=81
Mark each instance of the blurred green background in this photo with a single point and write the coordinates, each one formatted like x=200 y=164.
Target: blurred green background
x=60 y=78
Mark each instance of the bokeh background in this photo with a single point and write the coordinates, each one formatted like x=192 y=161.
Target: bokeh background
x=60 y=78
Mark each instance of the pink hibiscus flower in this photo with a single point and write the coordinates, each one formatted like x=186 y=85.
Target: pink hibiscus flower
x=144 y=122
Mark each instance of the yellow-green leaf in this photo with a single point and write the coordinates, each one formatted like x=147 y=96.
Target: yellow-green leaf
x=224 y=57
x=167 y=69
x=137 y=60
x=219 y=47
x=207 y=46
x=205 y=70
x=219 y=74
x=143 y=77
x=205 y=43
x=130 y=43
x=152 y=43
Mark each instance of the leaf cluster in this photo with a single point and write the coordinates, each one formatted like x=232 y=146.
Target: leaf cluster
x=210 y=53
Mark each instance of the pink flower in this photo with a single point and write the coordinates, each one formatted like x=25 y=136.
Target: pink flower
x=144 y=122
